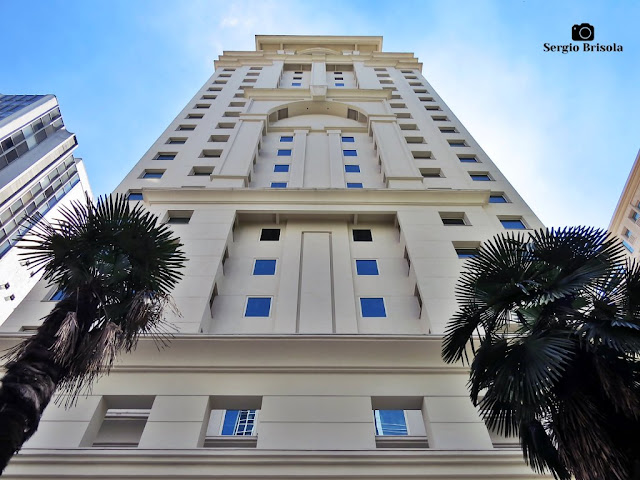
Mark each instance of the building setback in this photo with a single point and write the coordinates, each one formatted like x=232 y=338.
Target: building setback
x=38 y=174
x=326 y=197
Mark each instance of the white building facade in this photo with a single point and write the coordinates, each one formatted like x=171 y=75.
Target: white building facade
x=38 y=174
x=326 y=197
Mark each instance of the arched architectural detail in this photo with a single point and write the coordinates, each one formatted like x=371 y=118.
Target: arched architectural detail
x=310 y=51
x=308 y=107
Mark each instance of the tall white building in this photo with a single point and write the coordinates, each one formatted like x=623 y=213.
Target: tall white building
x=625 y=222
x=38 y=174
x=326 y=197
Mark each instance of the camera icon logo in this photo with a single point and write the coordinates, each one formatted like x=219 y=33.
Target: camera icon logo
x=583 y=32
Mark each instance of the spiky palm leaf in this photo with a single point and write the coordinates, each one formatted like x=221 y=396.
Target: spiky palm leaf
x=117 y=266
x=553 y=319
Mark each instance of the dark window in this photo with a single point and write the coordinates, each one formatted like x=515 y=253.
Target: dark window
x=453 y=221
x=152 y=175
x=466 y=252
x=362 y=235
x=59 y=295
x=497 y=199
x=468 y=159
x=178 y=220
x=513 y=224
x=270 y=235
x=278 y=184
x=281 y=168
x=480 y=177
x=354 y=185
x=348 y=139
x=134 y=196
x=165 y=156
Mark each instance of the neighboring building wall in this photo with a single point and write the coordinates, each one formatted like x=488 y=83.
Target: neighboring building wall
x=625 y=223
x=316 y=293
x=38 y=175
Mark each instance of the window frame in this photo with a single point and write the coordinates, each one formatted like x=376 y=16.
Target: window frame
x=255 y=266
x=366 y=263
x=362 y=307
x=257 y=297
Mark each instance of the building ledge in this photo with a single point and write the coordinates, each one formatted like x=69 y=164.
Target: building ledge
x=257 y=463
x=341 y=198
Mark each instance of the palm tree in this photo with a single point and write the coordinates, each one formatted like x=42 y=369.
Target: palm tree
x=116 y=266
x=552 y=319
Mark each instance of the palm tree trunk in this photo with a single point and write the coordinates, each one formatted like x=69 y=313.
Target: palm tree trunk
x=31 y=380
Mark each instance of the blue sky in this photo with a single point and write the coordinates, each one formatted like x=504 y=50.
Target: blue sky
x=562 y=128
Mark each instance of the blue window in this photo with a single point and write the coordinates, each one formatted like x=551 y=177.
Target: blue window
x=457 y=144
x=352 y=168
x=152 y=175
x=627 y=245
x=390 y=422
x=296 y=84
x=239 y=422
x=284 y=152
x=513 y=224
x=258 y=307
x=339 y=84
x=286 y=139
x=134 y=196
x=497 y=199
x=466 y=252
x=278 y=184
x=264 y=267
x=165 y=156
x=59 y=295
x=627 y=233
x=348 y=139
x=350 y=153
x=373 y=307
x=281 y=168
x=367 y=267
x=480 y=177
x=354 y=185
x=468 y=159
x=635 y=216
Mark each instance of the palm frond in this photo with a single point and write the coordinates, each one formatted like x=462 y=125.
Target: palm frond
x=539 y=451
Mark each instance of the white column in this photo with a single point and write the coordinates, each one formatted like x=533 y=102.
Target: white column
x=336 y=166
x=366 y=77
x=316 y=293
x=176 y=422
x=318 y=72
x=453 y=423
x=270 y=76
x=238 y=161
x=298 y=158
x=398 y=165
